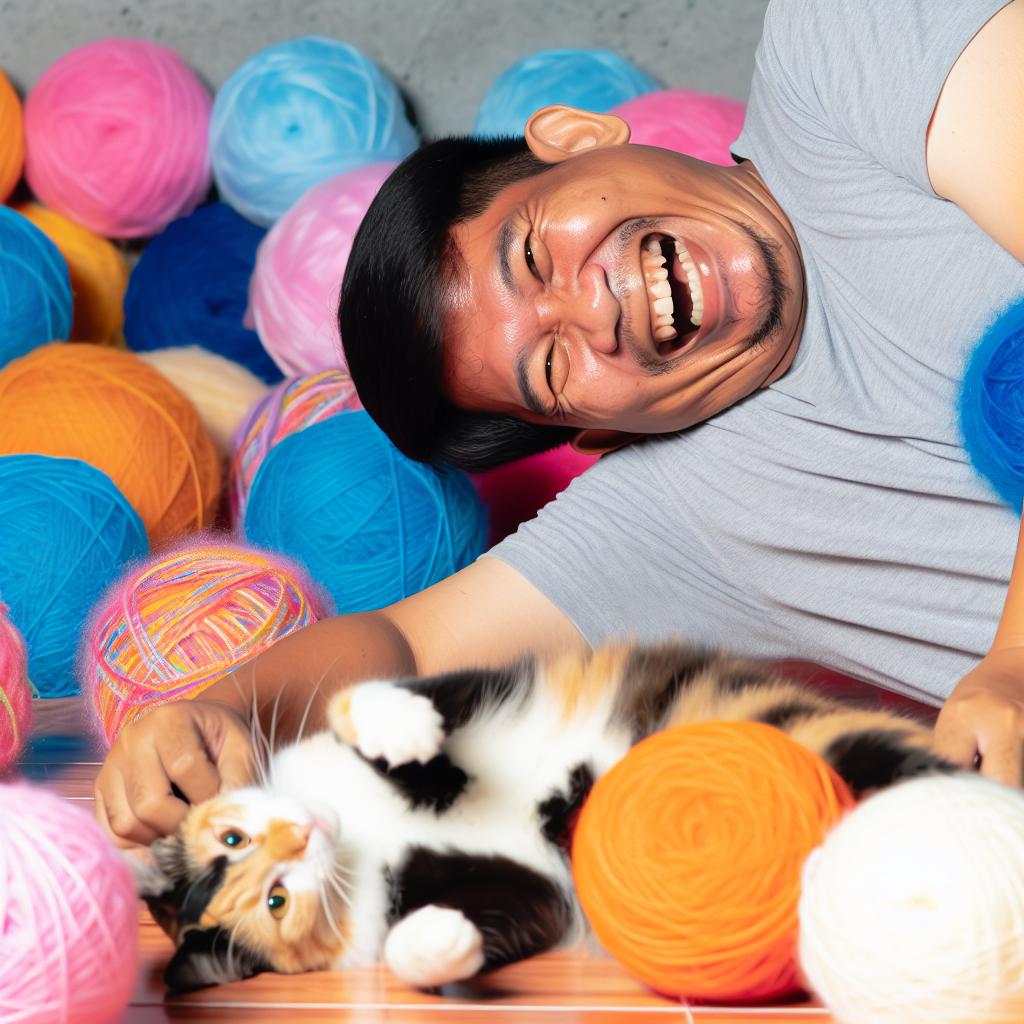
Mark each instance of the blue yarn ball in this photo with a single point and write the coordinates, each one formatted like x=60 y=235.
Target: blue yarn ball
x=594 y=80
x=191 y=287
x=65 y=534
x=370 y=525
x=35 y=289
x=297 y=113
x=992 y=406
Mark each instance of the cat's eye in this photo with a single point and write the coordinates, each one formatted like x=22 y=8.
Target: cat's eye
x=234 y=839
x=277 y=901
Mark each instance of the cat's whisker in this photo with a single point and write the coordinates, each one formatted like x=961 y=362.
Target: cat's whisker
x=330 y=918
x=339 y=889
x=312 y=698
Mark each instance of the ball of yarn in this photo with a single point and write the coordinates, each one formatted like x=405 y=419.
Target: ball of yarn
x=66 y=533
x=698 y=124
x=12 y=140
x=290 y=407
x=517 y=491
x=687 y=857
x=913 y=909
x=116 y=137
x=296 y=287
x=99 y=276
x=171 y=628
x=108 y=408
x=594 y=80
x=368 y=524
x=299 y=112
x=35 y=291
x=223 y=392
x=191 y=285
x=992 y=406
x=15 y=693
x=69 y=918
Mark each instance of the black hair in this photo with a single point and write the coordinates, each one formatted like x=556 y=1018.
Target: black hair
x=402 y=266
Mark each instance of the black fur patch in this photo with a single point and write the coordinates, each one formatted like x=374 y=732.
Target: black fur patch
x=874 y=758
x=435 y=785
x=783 y=714
x=558 y=812
x=207 y=957
x=182 y=906
x=460 y=696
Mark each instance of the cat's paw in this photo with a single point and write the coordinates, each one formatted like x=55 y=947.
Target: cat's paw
x=382 y=720
x=434 y=946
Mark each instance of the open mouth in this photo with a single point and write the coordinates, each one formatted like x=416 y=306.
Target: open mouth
x=674 y=294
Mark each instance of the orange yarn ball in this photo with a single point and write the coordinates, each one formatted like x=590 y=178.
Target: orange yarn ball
x=687 y=857
x=106 y=407
x=12 y=138
x=99 y=275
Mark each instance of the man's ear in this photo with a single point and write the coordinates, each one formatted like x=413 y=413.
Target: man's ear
x=600 y=442
x=556 y=133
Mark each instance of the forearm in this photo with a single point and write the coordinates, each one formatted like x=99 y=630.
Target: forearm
x=295 y=678
x=1010 y=632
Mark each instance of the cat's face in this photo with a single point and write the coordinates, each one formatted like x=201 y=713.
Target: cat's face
x=250 y=882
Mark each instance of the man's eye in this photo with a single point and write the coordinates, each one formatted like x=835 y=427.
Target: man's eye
x=531 y=263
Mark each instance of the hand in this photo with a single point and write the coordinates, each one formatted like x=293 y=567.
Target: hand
x=179 y=754
x=982 y=722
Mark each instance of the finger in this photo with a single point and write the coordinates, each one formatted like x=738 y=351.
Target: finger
x=148 y=790
x=190 y=769
x=955 y=742
x=236 y=761
x=1003 y=760
x=121 y=820
x=99 y=806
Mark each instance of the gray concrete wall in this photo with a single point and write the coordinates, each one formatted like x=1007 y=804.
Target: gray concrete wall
x=444 y=53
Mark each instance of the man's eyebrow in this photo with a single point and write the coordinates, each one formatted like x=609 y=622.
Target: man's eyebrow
x=505 y=240
x=530 y=398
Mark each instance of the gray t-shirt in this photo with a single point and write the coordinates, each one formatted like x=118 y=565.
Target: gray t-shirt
x=833 y=516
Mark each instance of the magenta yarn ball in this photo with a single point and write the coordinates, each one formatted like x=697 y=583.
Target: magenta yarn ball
x=517 y=491
x=15 y=693
x=698 y=124
x=116 y=137
x=295 y=288
x=69 y=917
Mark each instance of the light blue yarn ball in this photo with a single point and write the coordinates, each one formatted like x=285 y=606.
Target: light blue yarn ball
x=35 y=290
x=297 y=113
x=992 y=406
x=66 y=532
x=370 y=525
x=594 y=80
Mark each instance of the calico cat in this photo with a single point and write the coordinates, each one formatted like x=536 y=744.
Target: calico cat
x=428 y=824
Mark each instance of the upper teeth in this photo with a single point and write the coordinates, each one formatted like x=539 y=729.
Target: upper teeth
x=660 y=291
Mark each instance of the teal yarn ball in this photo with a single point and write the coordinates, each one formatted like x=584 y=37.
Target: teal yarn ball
x=594 y=80
x=297 y=113
x=35 y=289
x=368 y=524
x=992 y=406
x=66 y=532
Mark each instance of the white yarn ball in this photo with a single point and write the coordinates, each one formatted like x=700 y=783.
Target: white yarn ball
x=912 y=911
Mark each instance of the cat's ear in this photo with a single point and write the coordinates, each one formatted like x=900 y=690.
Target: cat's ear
x=206 y=957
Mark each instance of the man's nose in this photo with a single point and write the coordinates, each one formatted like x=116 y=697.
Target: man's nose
x=586 y=308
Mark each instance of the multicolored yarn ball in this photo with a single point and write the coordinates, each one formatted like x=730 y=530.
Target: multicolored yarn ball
x=12 y=140
x=698 y=124
x=297 y=113
x=116 y=137
x=368 y=524
x=106 y=407
x=35 y=290
x=913 y=909
x=517 y=491
x=99 y=276
x=594 y=80
x=191 y=286
x=223 y=392
x=69 y=917
x=296 y=287
x=66 y=533
x=15 y=693
x=290 y=407
x=173 y=627
x=992 y=406
x=687 y=857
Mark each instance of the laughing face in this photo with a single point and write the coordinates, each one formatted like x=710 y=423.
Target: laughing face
x=626 y=289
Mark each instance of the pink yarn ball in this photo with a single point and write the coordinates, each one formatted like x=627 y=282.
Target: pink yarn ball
x=518 y=490
x=69 y=917
x=116 y=137
x=698 y=124
x=295 y=288
x=15 y=693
